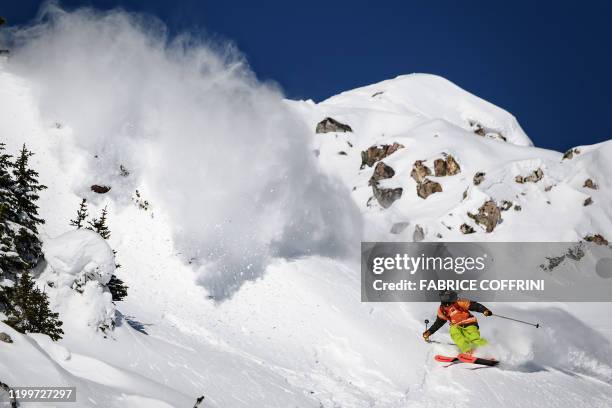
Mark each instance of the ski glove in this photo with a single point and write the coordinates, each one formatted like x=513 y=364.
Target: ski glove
x=487 y=312
x=426 y=335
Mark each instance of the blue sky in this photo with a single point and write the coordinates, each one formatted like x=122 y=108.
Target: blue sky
x=548 y=63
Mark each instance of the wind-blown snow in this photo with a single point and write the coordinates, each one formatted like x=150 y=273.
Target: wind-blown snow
x=217 y=149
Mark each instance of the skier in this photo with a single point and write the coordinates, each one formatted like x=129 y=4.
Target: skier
x=463 y=325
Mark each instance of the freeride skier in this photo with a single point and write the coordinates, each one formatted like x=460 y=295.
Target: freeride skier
x=464 y=328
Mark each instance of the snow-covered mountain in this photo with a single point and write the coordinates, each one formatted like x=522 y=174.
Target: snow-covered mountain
x=237 y=216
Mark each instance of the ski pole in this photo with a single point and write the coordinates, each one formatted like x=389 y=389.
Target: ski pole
x=517 y=320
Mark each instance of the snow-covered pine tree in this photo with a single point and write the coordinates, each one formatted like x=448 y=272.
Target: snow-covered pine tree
x=82 y=215
x=10 y=261
x=28 y=310
x=26 y=188
x=99 y=225
x=116 y=286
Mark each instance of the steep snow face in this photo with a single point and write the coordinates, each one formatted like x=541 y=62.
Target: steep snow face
x=433 y=119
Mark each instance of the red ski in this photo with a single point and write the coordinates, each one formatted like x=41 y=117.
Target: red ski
x=446 y=359
x=468 y=358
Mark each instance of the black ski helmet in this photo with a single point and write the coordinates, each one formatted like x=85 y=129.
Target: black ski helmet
x=448 y=296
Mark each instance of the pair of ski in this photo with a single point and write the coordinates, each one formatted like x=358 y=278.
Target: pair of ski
x=466 y=358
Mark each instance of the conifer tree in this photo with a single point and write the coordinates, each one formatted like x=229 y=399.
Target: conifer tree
x=10 y=260
x=82 y=215
x=28 y=310
x=99 y=225
x=116 y=286
x=2 y=21
x=26 y=188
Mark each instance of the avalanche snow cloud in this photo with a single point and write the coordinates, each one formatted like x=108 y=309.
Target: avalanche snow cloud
x=219 y=151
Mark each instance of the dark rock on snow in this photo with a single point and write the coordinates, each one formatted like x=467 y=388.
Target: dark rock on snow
x=328 y=125
x=100 y=189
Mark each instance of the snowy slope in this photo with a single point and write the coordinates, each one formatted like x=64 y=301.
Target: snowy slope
x=299 y=336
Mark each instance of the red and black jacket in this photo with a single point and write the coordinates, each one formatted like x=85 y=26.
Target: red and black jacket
x=457 y=313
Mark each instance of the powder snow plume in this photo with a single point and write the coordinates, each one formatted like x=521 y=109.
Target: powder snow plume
x=221 y=152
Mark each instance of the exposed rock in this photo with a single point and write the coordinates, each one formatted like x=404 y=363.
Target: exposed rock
x=570 y=153
x=466 y=229
x=479 y=178
x=589 y=183
x=419 y=171
x=342 y=153
x=332 y=125
x=506 y=205
x=532 y=178
x=452 y=167
x=489 y=215
x=517 y=207
x=447 y=166
x=477 y=128
x=386 y=196
x=5 y=338
x=381 y=171
x=199 y=401
x=418 y=234
x=465 y=194
x=548 y=188
x=399 y=227
x=12 y=400
x=427 y=188
x=596 y=239
x=100 y=189
x=377 y=93
x=123 y=172
x=376 y=153
x=439 y=236
x=588 y=201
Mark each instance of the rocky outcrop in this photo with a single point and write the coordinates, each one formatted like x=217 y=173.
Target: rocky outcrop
x=100 y=189
x=419 y=171
x=570 y=154
x=483 y=131
x=478 y=178
x=588 y=202
x=381 y=172
x=387 y=196
x=328 y=125
x=377 y=153
x=384 y=196
x=506 y=205
x=427 y=188
x=596 y=239
x=466 y=229
x=447 y=166
x=489 y=215
x=5 y=338
x=532 y=178
x=419 y=234
x=589 y=183
x=12 y=401
x=399 y=227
